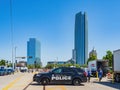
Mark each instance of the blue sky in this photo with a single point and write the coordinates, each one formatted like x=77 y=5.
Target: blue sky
x=52 y=23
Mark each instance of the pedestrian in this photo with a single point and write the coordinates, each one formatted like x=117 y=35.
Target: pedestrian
x=100 y=74
x=32 y=70
x=109 y=75
x=88 y=75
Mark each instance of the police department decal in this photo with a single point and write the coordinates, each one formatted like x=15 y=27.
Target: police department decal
x=61 y=77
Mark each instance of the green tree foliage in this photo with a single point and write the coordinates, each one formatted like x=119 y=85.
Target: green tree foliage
x=60 y=65
x=38 y=66
x=77 y=65
x=92 y=58
x=9 y=65
x=84 y=66
x=2 y=62
x=50 y=66
x=109 y=56
x=30 y=66
x=68 y=65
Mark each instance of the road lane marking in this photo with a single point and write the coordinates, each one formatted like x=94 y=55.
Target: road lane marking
x=27 y=86
x=56 y=88
x=63 y=87
x=12 y=83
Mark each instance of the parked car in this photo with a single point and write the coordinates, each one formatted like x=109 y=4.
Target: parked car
x=10 y=71
x=23 y=69
x=2 y=72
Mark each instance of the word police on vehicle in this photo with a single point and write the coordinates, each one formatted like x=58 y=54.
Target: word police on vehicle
x=60 y=77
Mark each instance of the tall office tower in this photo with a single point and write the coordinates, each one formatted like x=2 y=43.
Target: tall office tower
x=81 y=38
x=33 y=51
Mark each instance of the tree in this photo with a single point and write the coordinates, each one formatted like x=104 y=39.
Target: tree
x=49 y=66
x=2 y=62
x=30 y=66
x=38 y=66
x=84 y=65
x=68 y=65
x=9 y=65
x=92 y=58
x=61 y=65
x=109 y=56
x=77 y=65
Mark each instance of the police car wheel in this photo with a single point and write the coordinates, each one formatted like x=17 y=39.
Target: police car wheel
x=45 y=81
x=76 y=82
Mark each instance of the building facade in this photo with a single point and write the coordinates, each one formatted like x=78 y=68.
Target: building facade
x=93 y=52
x=33 y=51
x=81 y=38
x=56 y=62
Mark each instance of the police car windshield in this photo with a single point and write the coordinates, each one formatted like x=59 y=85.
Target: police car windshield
x=79 y=70
x=56 y=70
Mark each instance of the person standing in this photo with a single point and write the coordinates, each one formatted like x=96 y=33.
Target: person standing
x=100 y=74
x=88 y=75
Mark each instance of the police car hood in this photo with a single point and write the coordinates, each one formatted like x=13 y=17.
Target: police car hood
x=43 y=73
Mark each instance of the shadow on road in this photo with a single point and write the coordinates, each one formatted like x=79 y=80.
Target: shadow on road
x=36 y=84
x=110 y=84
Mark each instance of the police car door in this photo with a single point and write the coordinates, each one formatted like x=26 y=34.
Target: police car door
x=56 y=76
x=67 y=75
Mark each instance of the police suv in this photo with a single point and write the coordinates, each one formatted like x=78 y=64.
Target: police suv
x=62 y=75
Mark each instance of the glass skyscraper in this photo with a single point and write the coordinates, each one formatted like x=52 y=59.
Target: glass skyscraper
x=81 y=38
x=33 y=50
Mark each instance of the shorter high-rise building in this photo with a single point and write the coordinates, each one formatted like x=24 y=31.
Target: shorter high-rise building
x=93 y=52
x=33 y=51
x=56 y=62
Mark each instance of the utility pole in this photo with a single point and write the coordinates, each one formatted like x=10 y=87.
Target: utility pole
x=11 y=24
x=15 y=57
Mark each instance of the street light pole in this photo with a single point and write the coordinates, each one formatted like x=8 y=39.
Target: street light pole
x=11 y=24
x=15 y=57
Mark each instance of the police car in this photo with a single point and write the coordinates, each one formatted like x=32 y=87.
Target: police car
x=62 y=75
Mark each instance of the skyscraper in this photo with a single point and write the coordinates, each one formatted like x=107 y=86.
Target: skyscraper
x=33 y=50
x=81 y=38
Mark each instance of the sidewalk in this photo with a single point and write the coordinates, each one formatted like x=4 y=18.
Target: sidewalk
x=105 y=83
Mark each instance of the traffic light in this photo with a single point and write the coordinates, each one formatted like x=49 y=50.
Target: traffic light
x=29 y=56
x=23 y=57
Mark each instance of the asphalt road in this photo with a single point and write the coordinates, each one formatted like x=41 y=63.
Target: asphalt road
x=5 y=80
x=93 y=85
x=23 y=81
